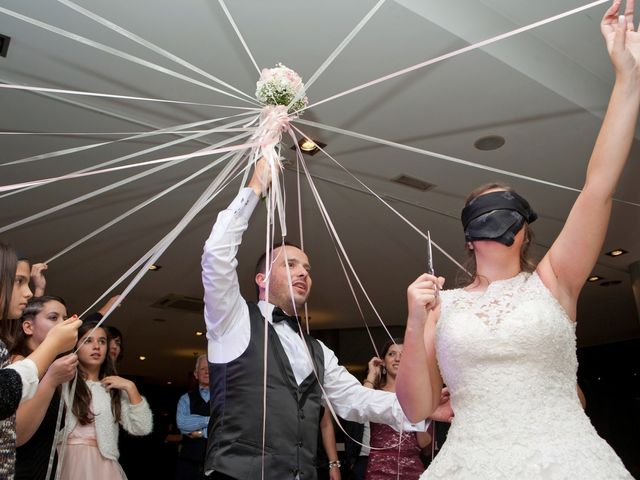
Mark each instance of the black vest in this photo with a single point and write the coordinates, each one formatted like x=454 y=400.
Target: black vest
x=194 y=449
x=292 y=413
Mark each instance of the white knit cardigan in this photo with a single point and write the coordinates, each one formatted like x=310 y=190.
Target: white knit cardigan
x=135 y=419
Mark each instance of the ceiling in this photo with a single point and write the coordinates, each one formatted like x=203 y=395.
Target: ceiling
x=544 y=91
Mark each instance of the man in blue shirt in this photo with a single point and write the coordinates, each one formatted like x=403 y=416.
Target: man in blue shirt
x=192 y=417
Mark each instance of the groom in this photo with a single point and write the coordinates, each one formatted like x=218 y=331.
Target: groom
x=298 y=367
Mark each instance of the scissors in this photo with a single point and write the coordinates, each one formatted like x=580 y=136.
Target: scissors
x=430 y=269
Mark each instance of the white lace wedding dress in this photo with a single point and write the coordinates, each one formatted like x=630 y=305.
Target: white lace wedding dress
x=508 y=356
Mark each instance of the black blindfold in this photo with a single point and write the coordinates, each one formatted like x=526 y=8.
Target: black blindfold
x=496 y=216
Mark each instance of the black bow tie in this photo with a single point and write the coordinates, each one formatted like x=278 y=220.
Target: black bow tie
x=280 y=316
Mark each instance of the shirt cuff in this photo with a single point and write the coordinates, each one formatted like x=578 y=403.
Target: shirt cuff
x=28 y=372
x=244 y=204
x=416 y=427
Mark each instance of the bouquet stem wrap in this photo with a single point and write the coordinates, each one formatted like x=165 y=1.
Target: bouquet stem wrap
x=282 y=93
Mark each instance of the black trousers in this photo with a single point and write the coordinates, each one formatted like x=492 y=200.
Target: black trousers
x=360 y=468
x=188 y=470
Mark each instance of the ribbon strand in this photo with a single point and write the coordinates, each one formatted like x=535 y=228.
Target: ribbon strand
x=459 y=51
x=116 y=52
x=151 y=46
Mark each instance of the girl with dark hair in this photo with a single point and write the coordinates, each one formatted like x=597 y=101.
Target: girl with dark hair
x=505 y=344
x=102 y=401
x=116 y=344
x=19 y=381
x=14 y=292
x=36 y=417
x=395 y=461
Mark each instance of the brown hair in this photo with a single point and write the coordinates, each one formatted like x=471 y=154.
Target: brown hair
x=34 y=307
x=9 y=260
x=82 y=399
x=382 y=381
x=112 y=334
x=527 y=264
x=261 y=264
x=8 y=266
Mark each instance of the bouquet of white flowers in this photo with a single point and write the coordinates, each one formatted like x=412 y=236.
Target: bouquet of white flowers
x=279 y=86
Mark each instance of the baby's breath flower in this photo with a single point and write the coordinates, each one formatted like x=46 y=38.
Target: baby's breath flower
x=279 y=86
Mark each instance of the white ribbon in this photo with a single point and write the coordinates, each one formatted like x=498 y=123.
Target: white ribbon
x=460 y=51
x=337 y=52
x=447 y=158
x=154 y=48
x=64 y=91
x=172 y=161
x=333 y=231
x=136 y=208
x=149 y=258
x=240 y=37
x=113 y=51
x=386 y=204
x=154 y=253
x=96 y=169
x=136 y=136
x=273 y=120
x=169 y=131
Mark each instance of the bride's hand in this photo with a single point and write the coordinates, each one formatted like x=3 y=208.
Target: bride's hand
x=623 y=42
x=422 y=296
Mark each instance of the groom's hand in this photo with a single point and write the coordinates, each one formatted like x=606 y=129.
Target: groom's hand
x=261 y=179
x=444 y=412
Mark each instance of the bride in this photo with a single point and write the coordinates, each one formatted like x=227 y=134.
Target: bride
x=505 y=344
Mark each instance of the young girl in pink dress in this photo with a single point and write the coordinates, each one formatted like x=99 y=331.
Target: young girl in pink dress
x=102 y=401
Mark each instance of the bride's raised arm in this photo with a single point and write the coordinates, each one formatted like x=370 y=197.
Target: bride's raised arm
x=569 y=261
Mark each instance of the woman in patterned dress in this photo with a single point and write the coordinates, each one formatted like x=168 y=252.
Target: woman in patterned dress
x=387 y=459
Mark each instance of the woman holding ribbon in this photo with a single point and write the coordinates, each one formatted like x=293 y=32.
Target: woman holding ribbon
x=19 y=381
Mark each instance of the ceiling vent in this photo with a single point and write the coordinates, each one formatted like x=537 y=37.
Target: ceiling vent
x=413 y=183
x=4 y=45
x=180 y=302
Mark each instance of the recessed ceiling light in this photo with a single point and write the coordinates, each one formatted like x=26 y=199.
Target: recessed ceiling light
x=142 y=357
x=616 y=252
x=199 y=333
x=309 y=146
x=610 y=283
x=154 y=267
x=594 y=278
x=490 y=142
